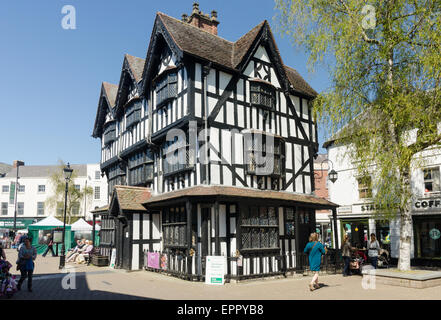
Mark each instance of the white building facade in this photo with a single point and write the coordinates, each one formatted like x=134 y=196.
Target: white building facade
x=356 y=216
x=35 y=188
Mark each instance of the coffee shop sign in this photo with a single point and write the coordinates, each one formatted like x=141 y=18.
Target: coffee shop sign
x=424 y=204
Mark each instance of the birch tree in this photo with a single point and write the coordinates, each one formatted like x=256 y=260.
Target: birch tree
x=74 y=196
x=384 y=60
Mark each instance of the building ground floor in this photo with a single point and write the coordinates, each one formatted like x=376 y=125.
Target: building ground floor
x=259 y=233
x=425 y=242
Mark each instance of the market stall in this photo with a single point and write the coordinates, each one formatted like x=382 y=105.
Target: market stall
x=39 y=232
x=82 y=230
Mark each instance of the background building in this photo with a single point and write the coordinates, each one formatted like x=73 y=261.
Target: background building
x=35 y=188
x=356 y=212
x=323 y=217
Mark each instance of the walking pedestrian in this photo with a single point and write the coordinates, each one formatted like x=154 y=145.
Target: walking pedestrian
x=373 y=250
x=50 y=244
x=346 y=253
x=2 y=252
x=315 y=250
x=26 y=257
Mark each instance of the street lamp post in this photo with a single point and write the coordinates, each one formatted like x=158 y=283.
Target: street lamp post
x=67 y=171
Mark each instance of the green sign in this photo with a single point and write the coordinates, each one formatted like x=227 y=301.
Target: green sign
x=20 y=224
x=435 y=234
x=216 y=280
x=12 y=193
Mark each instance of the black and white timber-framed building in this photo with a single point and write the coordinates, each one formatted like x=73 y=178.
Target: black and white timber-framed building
x=192 y=80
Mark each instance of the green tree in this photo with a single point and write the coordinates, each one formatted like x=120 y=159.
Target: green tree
x=384 y=101
x=74 y=196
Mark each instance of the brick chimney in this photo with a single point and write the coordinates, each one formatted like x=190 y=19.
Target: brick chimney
x=17 y=163
x=201 y=20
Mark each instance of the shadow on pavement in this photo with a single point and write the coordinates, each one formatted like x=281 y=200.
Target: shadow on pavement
x=50 y=287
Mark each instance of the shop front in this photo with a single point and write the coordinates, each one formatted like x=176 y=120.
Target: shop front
x=21 y=223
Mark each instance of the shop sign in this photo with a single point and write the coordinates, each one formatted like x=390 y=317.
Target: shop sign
x=344 y=209
x=12 y=193
x=427 y=204
x=58 y=236
x=20 y=223
x=435 y=234
x=113 y=258
x=153 y=260
x=215 y=270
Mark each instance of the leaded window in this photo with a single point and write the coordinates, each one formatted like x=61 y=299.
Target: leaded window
x=178 y=156
x=133 y=113
x=110 y=133
x=259 y=228
x=116 y=177
x=264 y=155
x=141 y=167
x=175 y=227
x=262 y=94
x=166 y=87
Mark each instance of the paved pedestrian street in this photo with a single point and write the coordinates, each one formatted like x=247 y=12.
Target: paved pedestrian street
x=94 y=283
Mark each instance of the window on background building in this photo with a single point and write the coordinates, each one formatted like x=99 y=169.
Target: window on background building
x=260 y=228
x=75 y=208
x=365 y=187
x=175 y=227
x=42 y=188
x=21 y=188
x=97 y=175
x=431 y=180
x=77 y=187
x=4 y=208
x=60 y=208
x=20 y=208
x=40 y=208
x=5 y=189
x=97 y=195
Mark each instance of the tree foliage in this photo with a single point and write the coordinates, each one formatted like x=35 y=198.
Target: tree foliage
x=74 y=196
x=384 y=100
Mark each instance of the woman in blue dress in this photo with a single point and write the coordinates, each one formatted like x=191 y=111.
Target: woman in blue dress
x=315 y=250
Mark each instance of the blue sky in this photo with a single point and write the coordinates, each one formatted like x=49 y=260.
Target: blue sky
x=50 y=77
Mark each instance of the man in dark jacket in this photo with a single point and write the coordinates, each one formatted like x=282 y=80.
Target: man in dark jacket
x=50 y=243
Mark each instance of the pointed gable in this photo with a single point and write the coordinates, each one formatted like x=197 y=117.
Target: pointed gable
x=106 y=103
x=136 y=66
x=243 y=45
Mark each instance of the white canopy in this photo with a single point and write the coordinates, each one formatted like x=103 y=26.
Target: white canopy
x=81 y=225
x=50 y=221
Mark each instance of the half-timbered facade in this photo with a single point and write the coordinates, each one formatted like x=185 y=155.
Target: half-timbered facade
x=221 y=133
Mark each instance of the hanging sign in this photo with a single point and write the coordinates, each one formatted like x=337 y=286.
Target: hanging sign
x=58 y=237
x=153 y=260
x=113 y=259
x=12 y=193
x=435 y=234
x=215 y=270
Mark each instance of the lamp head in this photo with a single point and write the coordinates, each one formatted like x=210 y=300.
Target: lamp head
x=67 y=171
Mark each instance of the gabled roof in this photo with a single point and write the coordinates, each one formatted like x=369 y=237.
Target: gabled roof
x=110 y=91
x=130 y=198
x=197 y=42
x=108 y=94
x=136 y=66
x=50 y=221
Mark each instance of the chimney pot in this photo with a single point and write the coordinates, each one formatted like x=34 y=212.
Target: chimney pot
x=185 y=17
x=214 y=15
